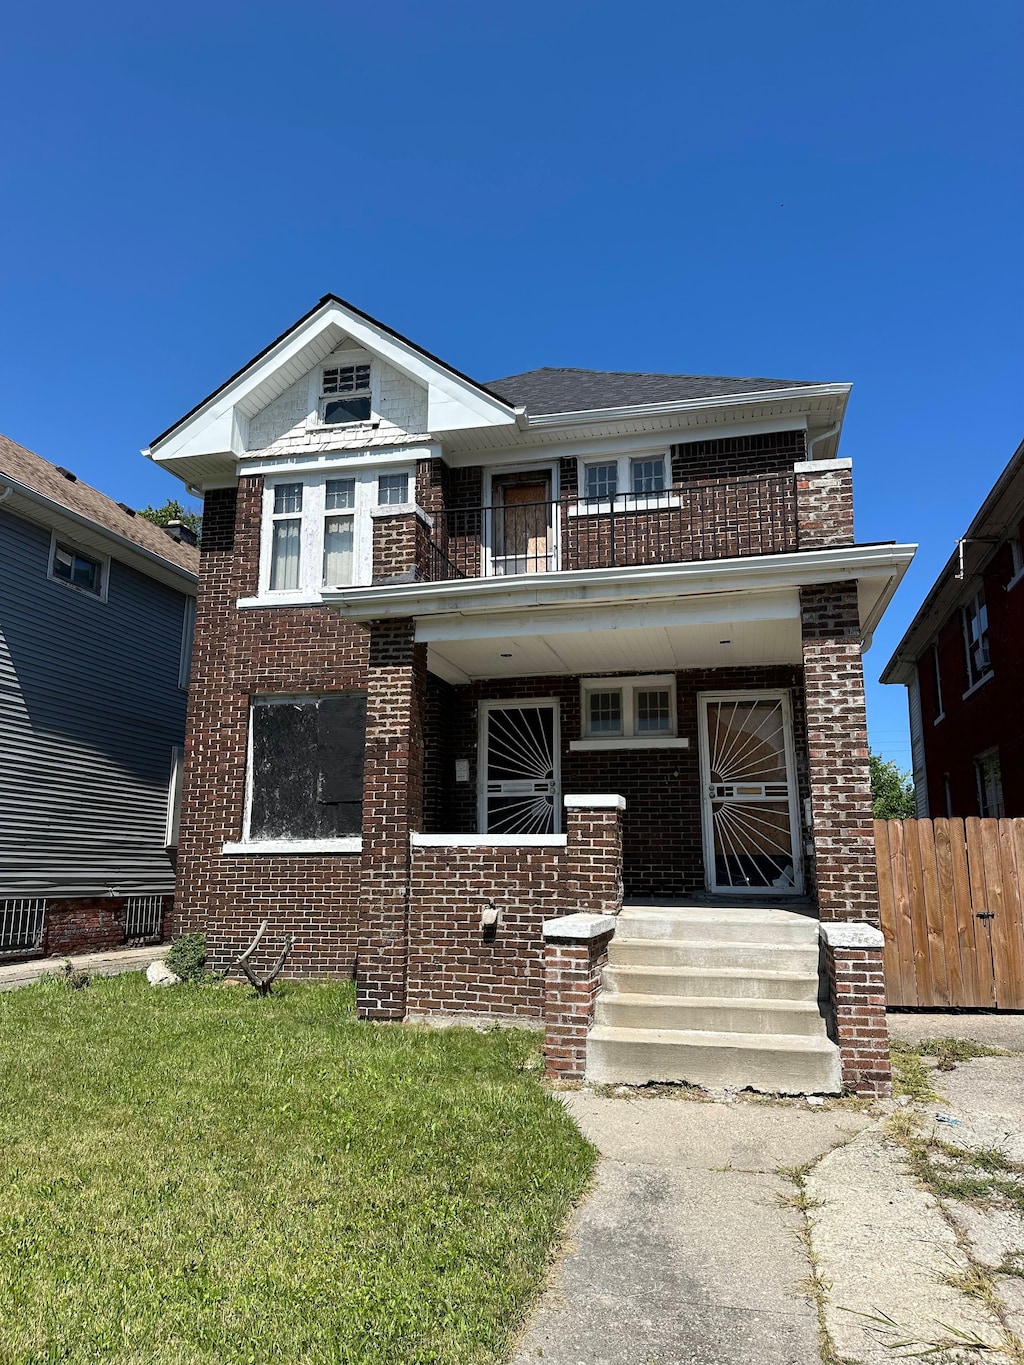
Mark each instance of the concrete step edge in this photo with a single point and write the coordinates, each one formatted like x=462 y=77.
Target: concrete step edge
x=757 y=1042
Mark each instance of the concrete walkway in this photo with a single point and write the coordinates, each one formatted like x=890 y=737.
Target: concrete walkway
x=685 y=1252
x=15 y=974
x=994 y=1030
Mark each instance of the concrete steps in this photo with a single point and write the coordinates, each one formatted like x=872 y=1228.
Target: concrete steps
x=715 y=997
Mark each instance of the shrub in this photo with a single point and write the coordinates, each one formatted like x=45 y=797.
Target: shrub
x=186 y=957
x=68 y=975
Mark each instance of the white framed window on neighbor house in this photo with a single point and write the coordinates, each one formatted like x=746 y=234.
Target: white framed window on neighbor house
x=975 y=619
x=1016 y=560
x=989 y=777
x=346 y=394
x=86 y=572
x=188 y=632
x=624 y=481
x=318 y=531
x=637 y=712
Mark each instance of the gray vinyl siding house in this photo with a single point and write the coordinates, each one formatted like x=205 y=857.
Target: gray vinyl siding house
x=93 y=693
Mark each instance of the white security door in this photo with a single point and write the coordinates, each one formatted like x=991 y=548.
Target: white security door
x=519 y=768
x=751 y=817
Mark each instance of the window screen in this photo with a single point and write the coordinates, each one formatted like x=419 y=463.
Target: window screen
x=307 y=767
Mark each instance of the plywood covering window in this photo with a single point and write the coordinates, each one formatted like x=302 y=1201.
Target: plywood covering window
x=306 y=767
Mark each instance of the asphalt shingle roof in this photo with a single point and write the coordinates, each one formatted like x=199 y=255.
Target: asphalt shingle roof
x=39 y=475
x=551 y=390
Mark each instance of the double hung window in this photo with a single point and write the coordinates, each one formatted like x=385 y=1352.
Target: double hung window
x=990 y=785
x=979 y=664
x=628 y=708
x=318 y=531
x=623 y=476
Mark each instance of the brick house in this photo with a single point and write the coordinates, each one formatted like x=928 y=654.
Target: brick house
x=961 y=661
x=476 y=663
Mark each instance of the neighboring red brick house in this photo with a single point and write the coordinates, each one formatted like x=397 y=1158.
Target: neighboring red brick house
x=473 y=662
x=962 y=661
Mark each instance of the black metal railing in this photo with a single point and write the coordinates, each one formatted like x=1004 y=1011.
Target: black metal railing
x=719 y=519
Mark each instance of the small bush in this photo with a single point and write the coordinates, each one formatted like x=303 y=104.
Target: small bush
x=186 y=957
x=68 y=975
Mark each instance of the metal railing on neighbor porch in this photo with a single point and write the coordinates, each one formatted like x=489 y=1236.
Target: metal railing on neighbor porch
x=22 y=921
x=720 y=519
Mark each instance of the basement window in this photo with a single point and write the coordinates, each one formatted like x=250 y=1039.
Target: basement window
x=306 y=768
x=345 y=394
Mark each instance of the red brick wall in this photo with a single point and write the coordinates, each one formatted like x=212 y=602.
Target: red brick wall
x=857 y=989
x=662 y=822
x=572 y=981
x=837 y=742
x=735 y=457
x=89 y=924
x=239 y=654
x=993 y=715
x=453 y=963
x=825 y=506
x=594 y=856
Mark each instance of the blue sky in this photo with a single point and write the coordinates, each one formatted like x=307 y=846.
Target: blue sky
x=802 y=190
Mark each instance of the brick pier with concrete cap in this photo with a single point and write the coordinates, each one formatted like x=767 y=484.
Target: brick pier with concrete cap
x=855 y=972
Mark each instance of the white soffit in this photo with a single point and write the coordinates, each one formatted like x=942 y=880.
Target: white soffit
x=215 y=428
x=648 y=648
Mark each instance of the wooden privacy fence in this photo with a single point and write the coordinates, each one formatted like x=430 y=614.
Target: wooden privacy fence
x=952 y=912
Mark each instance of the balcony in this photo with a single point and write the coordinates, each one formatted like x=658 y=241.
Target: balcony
x=721 y=519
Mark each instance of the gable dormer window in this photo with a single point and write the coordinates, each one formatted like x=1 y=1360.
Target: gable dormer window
x=344 y=394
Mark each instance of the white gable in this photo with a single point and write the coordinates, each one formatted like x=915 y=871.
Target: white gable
x=271 y=406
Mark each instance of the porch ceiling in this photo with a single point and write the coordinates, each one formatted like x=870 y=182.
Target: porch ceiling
x=719 y=631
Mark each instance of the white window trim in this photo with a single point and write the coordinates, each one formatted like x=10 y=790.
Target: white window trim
x=317 y=396
x=625 y=500
x=311 y=537
x=629 y=738
x=937 y=675
x=973 y=686
x=102 y=560
x=985 y=756
x=173 y=821
x=348 y=843
x=1017 y=553
x=550 y=470
x=188 y=630
x=980 y=683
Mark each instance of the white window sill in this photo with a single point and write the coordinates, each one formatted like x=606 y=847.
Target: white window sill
x=626 y=502
x=352 y=844
x=941 y=716
x=487 y=840
x=980 y=683
x=289 y=599
x=631 y=742
x=1017 y=578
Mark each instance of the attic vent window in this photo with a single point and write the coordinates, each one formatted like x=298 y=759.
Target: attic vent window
x=345 y=394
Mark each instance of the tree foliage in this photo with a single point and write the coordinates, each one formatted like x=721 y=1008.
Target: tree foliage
x=173 y=510
x=892 y=791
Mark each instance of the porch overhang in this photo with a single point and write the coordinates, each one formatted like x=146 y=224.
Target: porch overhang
x=649 y=618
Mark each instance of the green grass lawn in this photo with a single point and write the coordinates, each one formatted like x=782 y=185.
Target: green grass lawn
x=197 y=1175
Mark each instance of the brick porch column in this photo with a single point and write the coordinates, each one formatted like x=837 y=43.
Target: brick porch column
x=856 y=974
x=392 y=806
x=575 y=950
x=843 y=831
x=401 y=544
x=594 y=853
x=824 y=503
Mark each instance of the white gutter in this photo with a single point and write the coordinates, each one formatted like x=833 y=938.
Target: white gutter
x=590 y=415
x=750 y=573
x=130 y=547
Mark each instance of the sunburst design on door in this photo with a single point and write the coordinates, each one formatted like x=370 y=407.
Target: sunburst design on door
x=521 y=780
x=749 y=794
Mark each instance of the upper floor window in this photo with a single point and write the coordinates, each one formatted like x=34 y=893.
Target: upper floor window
x=990 y=784
x=937 y=679
x=318 y=532
x=70 y=565
x=603 y=480
x=979 y=664
x=1017 y=560
x=188 y=630
x=345 y=394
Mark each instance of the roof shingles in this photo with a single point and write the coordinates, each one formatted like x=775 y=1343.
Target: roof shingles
x=42 y=477
x=551 y=390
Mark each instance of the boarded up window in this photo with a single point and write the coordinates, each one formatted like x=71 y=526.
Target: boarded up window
x=307 y=767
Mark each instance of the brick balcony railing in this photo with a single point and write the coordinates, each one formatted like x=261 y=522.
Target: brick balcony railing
x=722 y=519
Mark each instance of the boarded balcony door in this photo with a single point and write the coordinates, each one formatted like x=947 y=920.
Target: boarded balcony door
x=751 y=820
x=519 y=771
x=521 y=529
